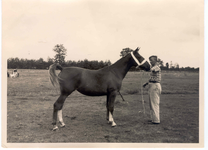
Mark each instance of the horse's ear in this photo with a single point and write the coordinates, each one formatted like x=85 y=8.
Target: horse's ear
x=137 y=49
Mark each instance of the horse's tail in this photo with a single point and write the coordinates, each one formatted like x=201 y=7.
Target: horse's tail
x=53 y=77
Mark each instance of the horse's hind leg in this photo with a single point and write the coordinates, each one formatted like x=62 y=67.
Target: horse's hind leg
x=60 y=118
x=57 y=111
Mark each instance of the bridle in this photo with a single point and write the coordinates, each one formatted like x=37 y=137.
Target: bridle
x=138 y=63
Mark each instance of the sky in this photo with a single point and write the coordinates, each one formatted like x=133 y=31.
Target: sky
x=100 y=29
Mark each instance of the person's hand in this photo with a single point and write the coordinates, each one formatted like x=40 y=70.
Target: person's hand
x=145 y=85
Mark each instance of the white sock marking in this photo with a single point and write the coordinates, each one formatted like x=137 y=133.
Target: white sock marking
x=111 y=119
x=60 y=119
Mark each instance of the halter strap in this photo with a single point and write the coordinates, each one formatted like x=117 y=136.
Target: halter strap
x=138 y=63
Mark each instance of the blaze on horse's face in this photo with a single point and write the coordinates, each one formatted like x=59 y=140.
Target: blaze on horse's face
x=144 y=65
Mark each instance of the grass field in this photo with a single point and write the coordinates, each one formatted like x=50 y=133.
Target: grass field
x=30 y=100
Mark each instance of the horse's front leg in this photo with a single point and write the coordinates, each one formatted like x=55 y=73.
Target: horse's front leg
x=107 y=114
x=111 y=99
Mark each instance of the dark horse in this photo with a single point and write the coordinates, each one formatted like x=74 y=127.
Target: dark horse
x=105 y=81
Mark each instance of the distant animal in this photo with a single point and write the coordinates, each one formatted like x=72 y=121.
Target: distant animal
x=14 y=74
x=106 y=81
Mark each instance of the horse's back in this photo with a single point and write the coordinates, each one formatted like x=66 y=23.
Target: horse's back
x=70 y=72
x=88 y=82
x=70 y=78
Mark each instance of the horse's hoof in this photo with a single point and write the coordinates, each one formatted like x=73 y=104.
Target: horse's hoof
x=55 y=128
x=113 y=124
x=62 y=125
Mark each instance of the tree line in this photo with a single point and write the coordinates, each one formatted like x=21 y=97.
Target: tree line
x=60 y=50
x=16 y=63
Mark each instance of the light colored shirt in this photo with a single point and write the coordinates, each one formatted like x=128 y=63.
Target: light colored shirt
x=155 y=75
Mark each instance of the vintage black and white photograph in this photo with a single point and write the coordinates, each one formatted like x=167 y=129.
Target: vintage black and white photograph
x=103 y=73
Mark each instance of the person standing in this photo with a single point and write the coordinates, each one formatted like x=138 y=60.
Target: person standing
x=154 y=91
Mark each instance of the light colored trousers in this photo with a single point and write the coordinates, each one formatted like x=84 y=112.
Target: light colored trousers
x=154 y=100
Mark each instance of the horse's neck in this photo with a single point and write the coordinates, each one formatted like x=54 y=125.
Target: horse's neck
x=122 y=66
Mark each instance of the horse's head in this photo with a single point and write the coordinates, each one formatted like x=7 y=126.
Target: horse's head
x=139 y=60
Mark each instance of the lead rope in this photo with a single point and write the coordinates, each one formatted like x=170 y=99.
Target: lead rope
x=121 y=95
x=142 y=92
